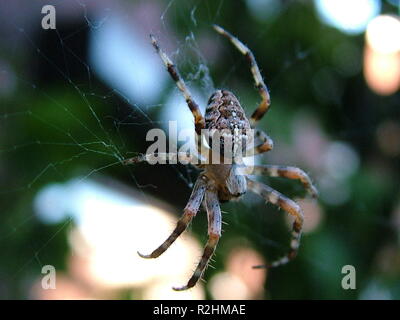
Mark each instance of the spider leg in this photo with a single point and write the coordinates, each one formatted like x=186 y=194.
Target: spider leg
x=163 y=157
x=214 y=233
x=199 y=121
x=290 y=207
x=287 y=172
x=266 y=144
x=262 y=88
x=189 y=212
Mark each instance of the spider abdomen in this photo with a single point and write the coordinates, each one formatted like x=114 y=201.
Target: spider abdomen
x=225 y=112
x=228 y=129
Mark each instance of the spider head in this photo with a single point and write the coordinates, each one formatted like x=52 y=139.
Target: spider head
x=228 y=130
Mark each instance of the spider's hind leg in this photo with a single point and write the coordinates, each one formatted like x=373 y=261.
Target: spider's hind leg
x=189 y=212
x=290 y=207
x=214 y=233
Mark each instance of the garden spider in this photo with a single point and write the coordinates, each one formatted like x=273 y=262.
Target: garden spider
x=221 y=182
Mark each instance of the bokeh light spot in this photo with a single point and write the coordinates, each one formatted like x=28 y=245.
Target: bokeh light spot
x=351 y=16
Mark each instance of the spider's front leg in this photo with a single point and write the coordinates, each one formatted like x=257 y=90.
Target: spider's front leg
x=255 y=71
x=164 y=157
x=214 y=233
x=266 y=144
x=199 y=121
x=290 y=207
x=189 y=212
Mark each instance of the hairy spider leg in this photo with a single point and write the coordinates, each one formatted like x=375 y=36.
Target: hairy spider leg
x=163 y=157
x=260 y=85
x=189 y=212
x=285 y=172
x=214 y=233
x=266 y=144
x=290 y=207
x=199 y=121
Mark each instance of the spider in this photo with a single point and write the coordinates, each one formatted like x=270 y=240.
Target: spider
x=222 y=182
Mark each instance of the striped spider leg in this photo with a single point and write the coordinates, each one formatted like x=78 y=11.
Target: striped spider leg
x=290 y=207
x=214 y=217
x=266 y=144
x=189 y=212
x=163 y=157
x=199 y=122
x=287 y=172
x=260 y=85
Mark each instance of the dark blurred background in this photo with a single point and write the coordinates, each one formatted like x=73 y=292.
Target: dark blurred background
x=77 y=99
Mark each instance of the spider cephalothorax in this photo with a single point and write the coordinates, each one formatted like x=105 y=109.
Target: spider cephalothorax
x=230 y=137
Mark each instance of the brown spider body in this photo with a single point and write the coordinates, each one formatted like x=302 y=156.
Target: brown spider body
x=225 y=118
x=226 y=121
x=225 y=181
x=228 y=133
x=225 y=112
